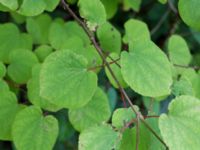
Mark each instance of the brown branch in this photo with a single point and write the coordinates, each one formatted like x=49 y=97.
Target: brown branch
x=115 y=61
x=103 y=65
x=137 y=133
x=99 y=50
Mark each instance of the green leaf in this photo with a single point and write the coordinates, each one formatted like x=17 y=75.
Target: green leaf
x=113 y=97
x=182 y=87
x=19 y=19
x=111 y=7
x=57 y=35
x=11 y=4
x=151 y=105
x=163 y=1
x=180 y=128
x=189 y=12
x=98 y=138
x=94 y=112
x=21 y=63
x=147 y=140
x=26 y=41
x=179 y=52
x=3 y=8
x=65 y=72
x=32 y=131
x=194 y=78
x=147 y=70
x=32 y=7
x=68 y=36
x=51 y=4
x=116 y=69
x=33 y=86
x=38 y=28
x=132 y=4
x=93 y=11
x=66 y=131
x=43 y=51
x=91 y=55
x=2 y=70
x=8 y=110
x=109 y=38
x=9 y=33
x=122 y=116
x=196 y=85
x=72 y=29
x=3 y=85
x=136 y=30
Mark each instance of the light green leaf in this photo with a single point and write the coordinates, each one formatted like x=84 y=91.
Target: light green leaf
x=66 y=73
x=98 y=138
x=2 y=70
x=189 y=12
x=9 y=33
x=180 y=128
x=57 y=35
x=111 y=7
x=122 y=116
x=109 y=38
x=116 y=69
x=132 y=4
x=21 y=63
x=194 y=78
x=147 y=70
x=11 y=4
x=147 y=140
x=67 y=36
x=51 y=4
x=43 y=51
x=94 y=112
x=91 y=55
x=72 y=29
x=31 y=130
x=196 y=85
x=179 y=52
x=33 y=86
x=32 y=7
x=38 y=28
x=8 y=110
x=136 y=30
x=182 y=87
x=93 y=11
x=3 y=85
x=163 y=1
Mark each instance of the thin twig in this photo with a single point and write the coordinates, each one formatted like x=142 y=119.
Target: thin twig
x=137 y=133
x=99 y=50
x=115 y=61
x=187 y=67
x=103 y=65
x=161 y=21
x=172 y=7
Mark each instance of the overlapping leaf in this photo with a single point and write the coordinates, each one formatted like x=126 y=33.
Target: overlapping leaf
x=180 y=128
x=32 y=131
x=95 y=112
x=147 y=70
x=65 y=73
